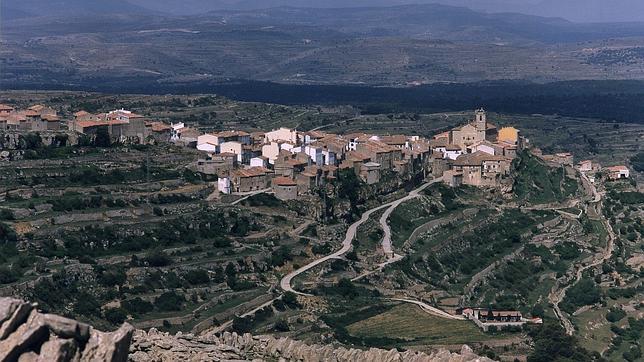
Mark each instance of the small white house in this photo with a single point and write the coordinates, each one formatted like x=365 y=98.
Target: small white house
x=175 y=132
x=259 y=162
x=283 y=134
x=208 y=143
x=223 y=185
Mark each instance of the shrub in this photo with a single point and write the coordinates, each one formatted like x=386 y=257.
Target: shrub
x=197 y=277
x=169 y=301
x=615 y=315
x=290 y=299
x=281 y=326
x=115 y=315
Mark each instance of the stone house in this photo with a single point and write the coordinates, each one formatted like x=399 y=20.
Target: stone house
x=482 y=169
x=250 y=179
x=618 y=172
x=285 y=188
x=370 y=172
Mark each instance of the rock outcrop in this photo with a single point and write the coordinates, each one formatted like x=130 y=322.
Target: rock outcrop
x=26 y=335
x=159 y=346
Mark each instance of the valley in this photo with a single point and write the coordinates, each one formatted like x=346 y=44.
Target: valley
x=136 y=232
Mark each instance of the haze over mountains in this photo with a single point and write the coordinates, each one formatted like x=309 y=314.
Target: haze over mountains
x=140 y=43
x=573 y=10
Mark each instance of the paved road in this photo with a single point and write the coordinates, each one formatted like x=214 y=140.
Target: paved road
x=557 y=295
x=249 y=194
x=386 y=240
x=431 y=310
x=285 y=283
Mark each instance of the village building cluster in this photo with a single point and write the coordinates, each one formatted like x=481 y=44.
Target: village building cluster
x=477 y=154
x=293 y=163
x=37 y=118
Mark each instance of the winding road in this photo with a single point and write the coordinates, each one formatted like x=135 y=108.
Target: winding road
x=285 y=283
x=556 y=296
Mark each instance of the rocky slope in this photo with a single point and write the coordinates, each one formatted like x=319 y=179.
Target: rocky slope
x=28 y=335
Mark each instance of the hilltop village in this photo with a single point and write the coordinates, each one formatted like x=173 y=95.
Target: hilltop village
x=210 y=223
x=292 y=163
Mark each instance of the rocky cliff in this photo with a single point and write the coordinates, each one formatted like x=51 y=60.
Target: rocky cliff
x=28 y=335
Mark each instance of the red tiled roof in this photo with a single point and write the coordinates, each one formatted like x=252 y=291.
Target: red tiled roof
x=284 y=181
x=250 y=172
x=226 y=134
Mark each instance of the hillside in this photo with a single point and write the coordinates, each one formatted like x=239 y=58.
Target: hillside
x=330 y=46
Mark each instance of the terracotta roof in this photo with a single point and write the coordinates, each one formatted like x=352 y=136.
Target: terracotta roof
x=617 y=168
x=226 y=134
x=394 y=140
x=284 y=181
x=31 y=113
x=250 y=172
x=159 y=127
x=452 y=148
x=4 y=107
x=357 y=156
x=82 y=113
x=295 y=162
x=50 y=118
x=87 y=124
x=442 y=135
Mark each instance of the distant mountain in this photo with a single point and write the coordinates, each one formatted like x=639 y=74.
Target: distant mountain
x=15 y=9
x=434 y=21
x=573 y=10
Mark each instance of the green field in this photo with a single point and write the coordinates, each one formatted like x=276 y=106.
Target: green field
x=411 y=323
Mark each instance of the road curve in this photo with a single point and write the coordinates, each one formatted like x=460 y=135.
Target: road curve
x=556 y=296
x=431 y=310
x=285 y=283
x=386 y=239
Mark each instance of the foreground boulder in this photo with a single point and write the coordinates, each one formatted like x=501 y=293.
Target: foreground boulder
x=28 y=335
x=158 y=346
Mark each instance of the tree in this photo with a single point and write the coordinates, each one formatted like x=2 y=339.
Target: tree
x=281 y=326
x=115 y=316
x=197 y=277
x=242 y=324
x=290 y=299
x=169 y=301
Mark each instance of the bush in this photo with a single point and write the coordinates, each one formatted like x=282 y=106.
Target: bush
x=290 y=299
x=615 y=315
x=169 y=301
x=197 y=277
x=242 y=325
x=6 y=214
x=137 y=306
x=115 y=316
x=158 y=259
x=281 y=326
x=7 y=275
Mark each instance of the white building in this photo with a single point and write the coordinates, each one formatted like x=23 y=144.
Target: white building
x=259 y=162
x=281 y=135
x=223 y=185
x=175 y=132
x=208 y=143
